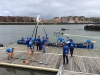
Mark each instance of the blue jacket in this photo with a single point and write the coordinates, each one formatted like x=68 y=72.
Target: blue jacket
x=27 y=42
x=65 y=49
x=63 y=41
x=23 y=39
x=33 y=39
x=72 y=44
x=38 y=40
x=88 y=41
x=29 y=38
x=43 y=42
x=31 y=43
x=59 y=39
x=47 y=38
x=9 y=50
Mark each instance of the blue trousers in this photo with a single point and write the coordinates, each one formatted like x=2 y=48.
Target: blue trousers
x=43 y=49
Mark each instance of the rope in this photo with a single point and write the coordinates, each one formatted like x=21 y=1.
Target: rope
x=34 y=30
x=44 y=29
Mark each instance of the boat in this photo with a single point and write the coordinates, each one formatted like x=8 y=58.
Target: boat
x=77 y=45
x=84 y=45
x=63 y=29
x=58 y=33
x=20 y=42
x=2 y=46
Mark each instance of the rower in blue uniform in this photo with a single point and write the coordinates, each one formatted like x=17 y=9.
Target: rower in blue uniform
x=10 y=52
x=43 y=45
x=23 y=40
x=63 y=41
x=71 y=46
x=88 y=43
x=59 y=41
x=38 y=42
x=47 y=40
x=65 y=50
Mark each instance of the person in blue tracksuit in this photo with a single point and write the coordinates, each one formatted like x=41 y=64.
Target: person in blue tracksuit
x=29 y=37
x=33 y=40
x=71 y=45
x=47 y=40
x=27 y=43
x=88 y=43
x=10 y=52
x=59 y=41
x=65 y=53
x=63 y=41
x=68 y=40
x=31 y=49
x=23 y=40
x=43 y=45
x=38 y=42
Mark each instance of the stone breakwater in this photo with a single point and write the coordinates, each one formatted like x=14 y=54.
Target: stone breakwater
x=92 y=27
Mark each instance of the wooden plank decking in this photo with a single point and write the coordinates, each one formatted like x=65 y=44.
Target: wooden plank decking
x=84 y=62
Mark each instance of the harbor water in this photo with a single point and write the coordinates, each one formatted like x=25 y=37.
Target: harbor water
x=9 y=34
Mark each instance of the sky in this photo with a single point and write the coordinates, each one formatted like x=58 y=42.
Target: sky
x=49 y=9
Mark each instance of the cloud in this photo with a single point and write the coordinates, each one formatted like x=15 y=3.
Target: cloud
x=50 y=8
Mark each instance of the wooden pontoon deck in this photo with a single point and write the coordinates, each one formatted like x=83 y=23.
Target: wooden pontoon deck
x=84 y=62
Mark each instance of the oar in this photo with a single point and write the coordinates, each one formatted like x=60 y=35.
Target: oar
x=38 y=17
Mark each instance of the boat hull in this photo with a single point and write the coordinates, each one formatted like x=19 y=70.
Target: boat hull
x=77 y=45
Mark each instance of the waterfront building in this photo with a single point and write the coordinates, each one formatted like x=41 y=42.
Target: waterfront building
x=64 y=19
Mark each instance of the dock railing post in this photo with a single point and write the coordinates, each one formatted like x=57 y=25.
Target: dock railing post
x=61 y=68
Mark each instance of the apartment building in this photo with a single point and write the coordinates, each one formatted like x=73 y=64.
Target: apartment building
x=64 y=19
x=16 y=19
x=72 y=19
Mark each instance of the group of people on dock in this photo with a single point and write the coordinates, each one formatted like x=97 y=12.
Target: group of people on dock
x=30 y=42
x=67 y=46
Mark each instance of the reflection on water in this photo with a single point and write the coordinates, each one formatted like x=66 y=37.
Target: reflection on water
x=19 y=71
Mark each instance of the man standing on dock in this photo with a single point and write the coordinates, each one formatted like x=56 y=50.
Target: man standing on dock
x=88 y=43
x=65 y=53
x=38 y=41
x=47 y=40
x=43 y=45
x=27 y=43
x=71 y=45
x=59 y=41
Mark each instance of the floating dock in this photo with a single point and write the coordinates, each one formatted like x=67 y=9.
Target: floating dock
x=84 y=62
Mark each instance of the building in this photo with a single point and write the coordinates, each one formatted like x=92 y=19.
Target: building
x=76 y=19
x=72 y=19
x=64 y=19
x=16 y=19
